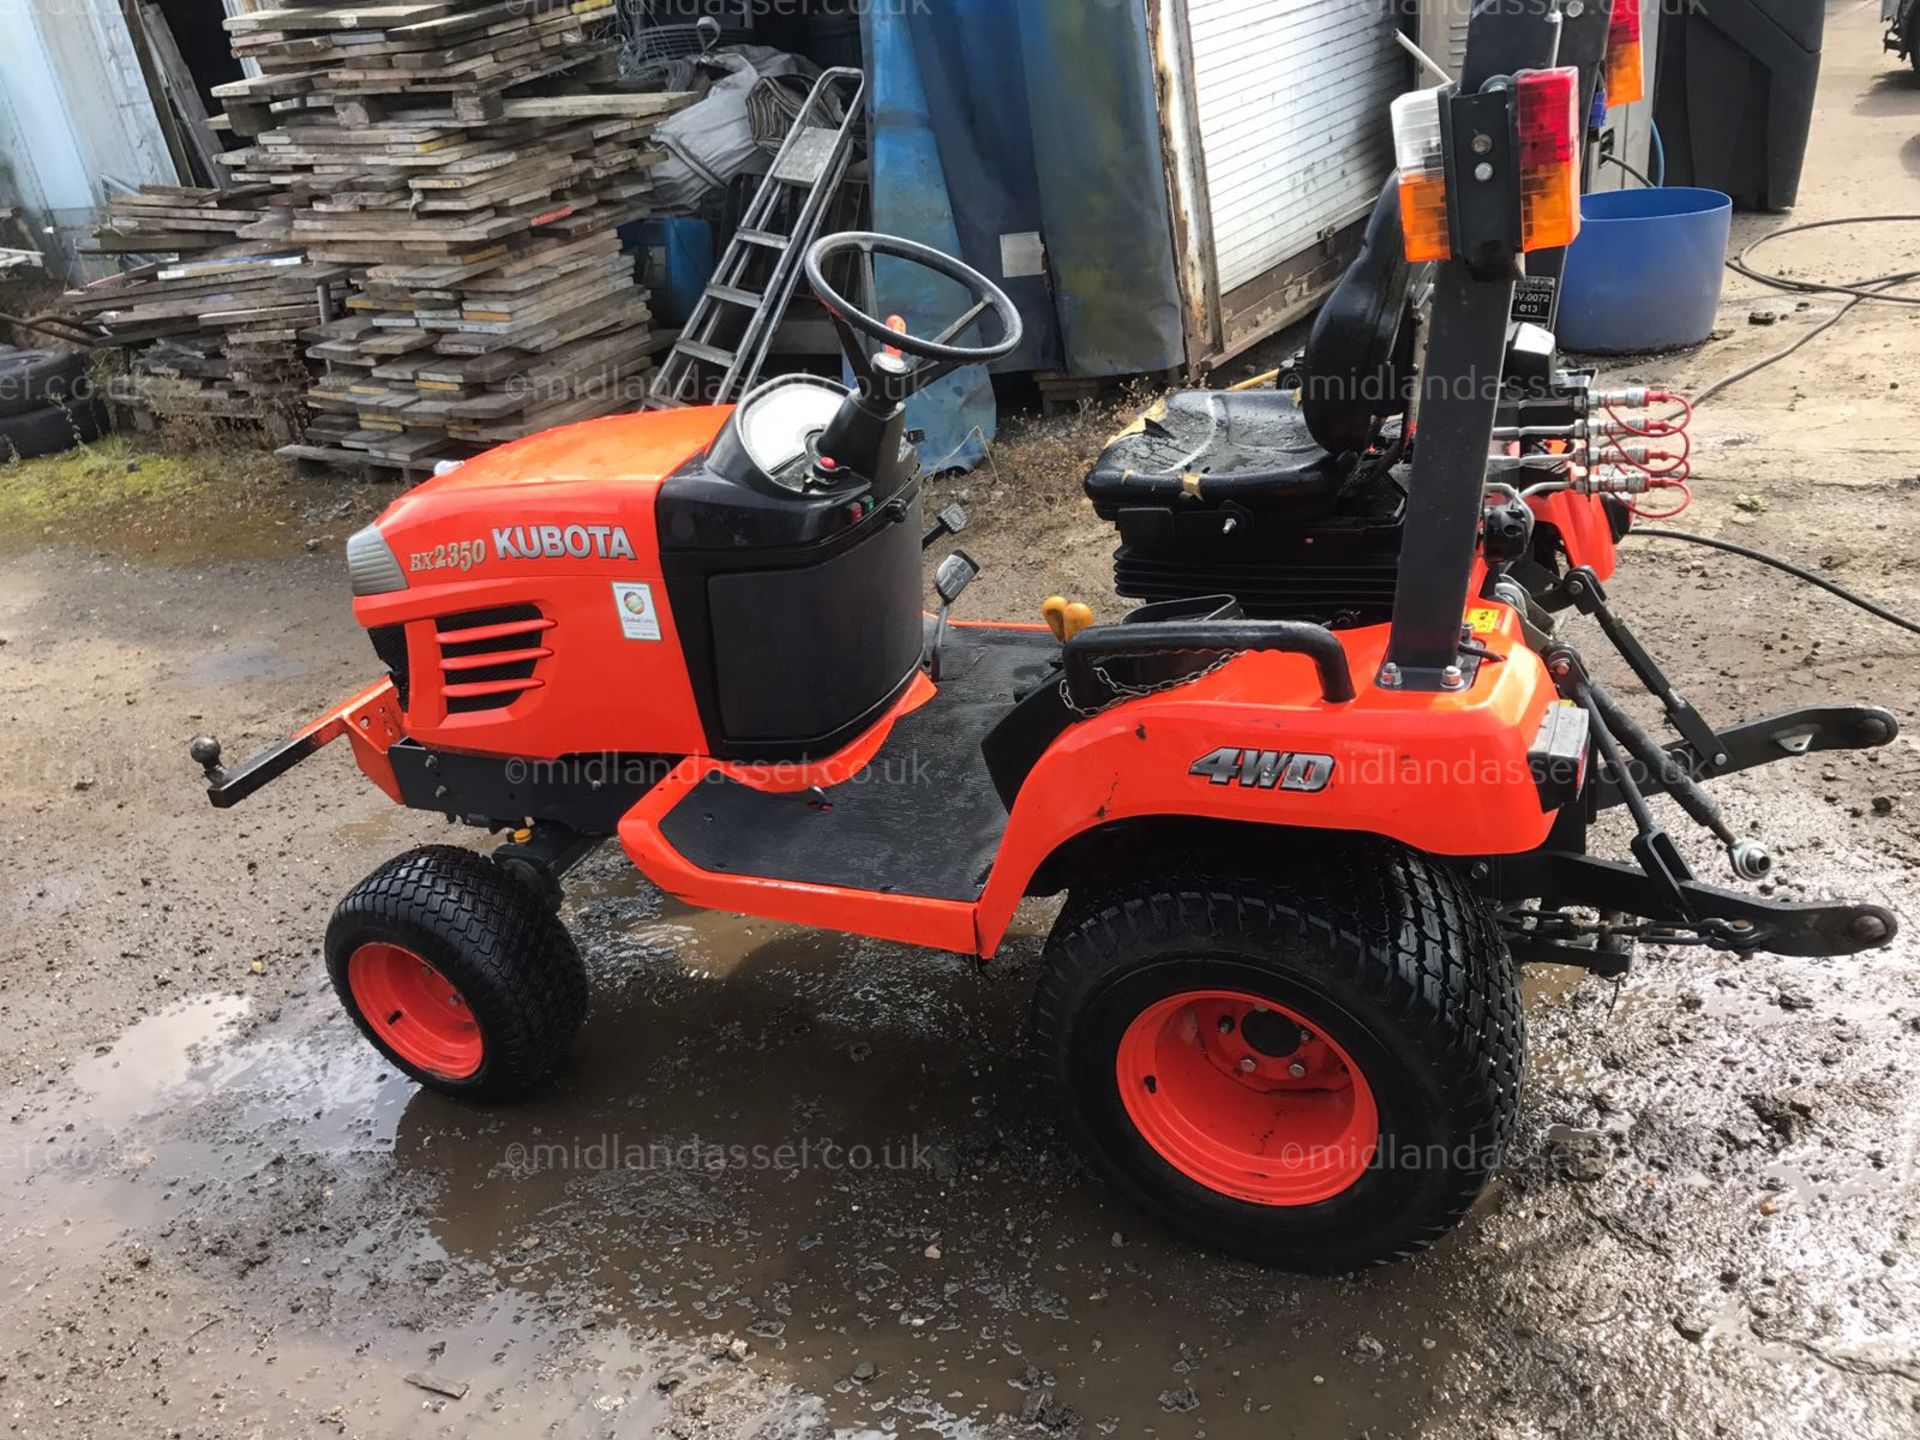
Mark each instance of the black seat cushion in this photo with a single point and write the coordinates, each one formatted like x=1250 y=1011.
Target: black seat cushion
x=1250 y=447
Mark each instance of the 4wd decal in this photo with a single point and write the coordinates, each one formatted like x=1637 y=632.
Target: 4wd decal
x=563 y=542
x=1266 y=770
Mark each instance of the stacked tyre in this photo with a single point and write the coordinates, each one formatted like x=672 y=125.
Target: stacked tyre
x=47 y=403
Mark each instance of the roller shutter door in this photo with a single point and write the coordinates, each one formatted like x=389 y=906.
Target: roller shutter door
x=1291 y=99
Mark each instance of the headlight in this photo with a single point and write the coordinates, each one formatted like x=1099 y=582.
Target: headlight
x=371 y=564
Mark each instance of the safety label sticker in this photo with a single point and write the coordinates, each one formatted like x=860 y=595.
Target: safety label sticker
x=1533 y=299
x=638 y=619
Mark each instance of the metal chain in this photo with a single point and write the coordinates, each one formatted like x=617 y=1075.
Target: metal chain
x=1123 y=693
x=1561 y=926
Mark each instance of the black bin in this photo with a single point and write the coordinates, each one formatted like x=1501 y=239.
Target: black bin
x=1734 y=96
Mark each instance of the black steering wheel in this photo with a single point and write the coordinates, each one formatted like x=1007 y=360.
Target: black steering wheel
x=901 y=365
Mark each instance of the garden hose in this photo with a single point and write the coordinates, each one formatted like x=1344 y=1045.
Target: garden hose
x=1616 y=160
x=1760 y=557
x=1871 y=289
x=1861 y=289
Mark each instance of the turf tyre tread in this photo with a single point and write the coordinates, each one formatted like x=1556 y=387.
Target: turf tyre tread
x=494 y=938
x=1372 y=919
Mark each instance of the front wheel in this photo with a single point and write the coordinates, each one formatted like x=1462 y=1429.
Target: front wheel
x=458 y=973
x=1313 y=1063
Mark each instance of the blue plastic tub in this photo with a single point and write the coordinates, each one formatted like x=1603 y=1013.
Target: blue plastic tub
x=1646 y=272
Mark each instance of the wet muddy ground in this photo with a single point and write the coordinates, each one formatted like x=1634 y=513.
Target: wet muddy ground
x=794 y=1184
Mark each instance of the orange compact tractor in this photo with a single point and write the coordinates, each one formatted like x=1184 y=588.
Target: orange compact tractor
x=1309 y=806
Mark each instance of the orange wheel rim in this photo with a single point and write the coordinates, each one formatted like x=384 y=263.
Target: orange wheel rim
x=1247 y=1098
x=420 y=1015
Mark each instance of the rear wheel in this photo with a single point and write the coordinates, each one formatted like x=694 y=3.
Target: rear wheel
x=1314 y=1062
x=458 y=973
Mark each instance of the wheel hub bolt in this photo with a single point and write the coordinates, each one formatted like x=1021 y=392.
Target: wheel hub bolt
x=1297 y=1070
x=1226 y=1024
x=1249 y=1065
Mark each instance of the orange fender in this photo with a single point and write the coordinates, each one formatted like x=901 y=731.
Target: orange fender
x=1443 y=773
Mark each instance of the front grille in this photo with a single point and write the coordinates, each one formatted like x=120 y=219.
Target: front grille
x=390 y=644
x=490 y=658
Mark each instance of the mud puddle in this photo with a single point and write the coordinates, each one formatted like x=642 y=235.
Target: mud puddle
x=807 y=1159
x=182 y=1139
x=829 y=1148
x=796 y=1183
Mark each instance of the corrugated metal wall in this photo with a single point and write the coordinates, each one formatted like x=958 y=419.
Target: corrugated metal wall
x=75 y=119
x=1292 y=100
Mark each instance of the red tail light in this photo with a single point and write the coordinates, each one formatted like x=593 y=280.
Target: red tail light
x=1548 y=121
x=1626 y=78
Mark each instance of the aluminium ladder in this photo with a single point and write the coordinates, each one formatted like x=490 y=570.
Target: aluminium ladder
x=720 y=353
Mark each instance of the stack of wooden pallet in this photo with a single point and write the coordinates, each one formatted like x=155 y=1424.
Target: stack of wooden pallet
x=213 y=333
x=175 y=218
x=490 y=297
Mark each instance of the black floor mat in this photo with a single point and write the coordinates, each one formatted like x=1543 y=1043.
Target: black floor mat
x=922 y=819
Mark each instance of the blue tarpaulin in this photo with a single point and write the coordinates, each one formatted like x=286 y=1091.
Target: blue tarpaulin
x=1022 y=135
x=968 y=56
x=911 y=199
x=1103 y=185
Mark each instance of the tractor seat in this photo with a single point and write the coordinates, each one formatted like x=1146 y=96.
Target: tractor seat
x=1250 y=447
